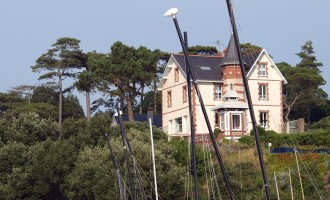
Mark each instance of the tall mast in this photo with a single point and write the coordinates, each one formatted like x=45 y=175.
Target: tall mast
x=192 y=129
x=172 y=12
x=127 y=144
x=248 y=96
x=121 y=193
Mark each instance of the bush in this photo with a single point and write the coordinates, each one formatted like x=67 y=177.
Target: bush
x=322 y=124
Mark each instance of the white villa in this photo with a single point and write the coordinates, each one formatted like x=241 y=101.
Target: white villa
x=220 y=82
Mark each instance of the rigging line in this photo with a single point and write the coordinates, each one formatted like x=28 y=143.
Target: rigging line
x=247 y=90
x=121 y=173
x=310 y=178
x=126 y=157
x=301 y=185
x=229 y=190
x=126 y=143
x=212 y=172
x=115 y=168
x=206 y=174
x=240 y=171
x=145 y=176
x=211 y=164
x=305 y=168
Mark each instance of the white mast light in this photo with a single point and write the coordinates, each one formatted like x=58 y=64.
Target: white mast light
x=171 y=12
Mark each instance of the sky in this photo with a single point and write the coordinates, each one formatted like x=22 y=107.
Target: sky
x=29 y=28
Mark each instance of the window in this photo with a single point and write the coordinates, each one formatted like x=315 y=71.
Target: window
x=178 y=125
x=222 y=122
x=176 y=74
x=262 y=69
x=184 y=93
x=217 y=92
x=216 y=119
x=264 y=119
x=262 y=91
x=231 y=86
x=236 y=122
x=169 y=98
x=205 y=67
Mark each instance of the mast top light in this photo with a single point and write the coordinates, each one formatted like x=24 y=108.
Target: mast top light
x=171 y=12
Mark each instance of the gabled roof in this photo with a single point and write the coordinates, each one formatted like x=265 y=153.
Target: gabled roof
x=210 y=68
x=272 y=64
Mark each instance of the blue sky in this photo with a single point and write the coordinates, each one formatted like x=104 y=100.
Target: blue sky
x=29 y=28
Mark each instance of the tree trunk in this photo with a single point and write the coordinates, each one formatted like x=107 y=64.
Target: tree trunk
x=60 y=95
x=155 y=97
x=141 y=100
x=130 y=111
x=288 y=107
x=88 y=106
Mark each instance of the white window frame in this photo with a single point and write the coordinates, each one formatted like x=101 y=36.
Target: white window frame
x=263 y=119
x=240 y=121
x=262 y=91
x=222 y=122
x=262 y=70
x=218 y=92
x=178 y=125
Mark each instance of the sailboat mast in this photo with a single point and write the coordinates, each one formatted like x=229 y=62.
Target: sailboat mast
x=121 y=193
x=172 y=12
x=126 y=144
x=248 y=96
x=153 y=157
x=192 y=129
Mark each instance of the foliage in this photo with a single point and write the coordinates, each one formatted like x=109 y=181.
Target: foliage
x=202 y=50
x=52 y=162
x=308 y=60
x=95 y=166
x=60 y=63
x=47 y=95
x=303 y=94
x=261 y=131
x=322 y=124
x=98 y=176
x=125 y=71
x=9 y=101
x=44 y=110
x=249 y=48
x=316 y=137
x=72 y=108
x=247 y=140
x=149 y=102
x=28 y=128
x=216 y=132
x=12 y=177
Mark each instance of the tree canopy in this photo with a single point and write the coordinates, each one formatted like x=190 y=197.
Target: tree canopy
x=125 y=71
x=304 y=81
x=59 y=63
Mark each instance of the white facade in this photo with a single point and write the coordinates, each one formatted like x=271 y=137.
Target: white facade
x=265 y=83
